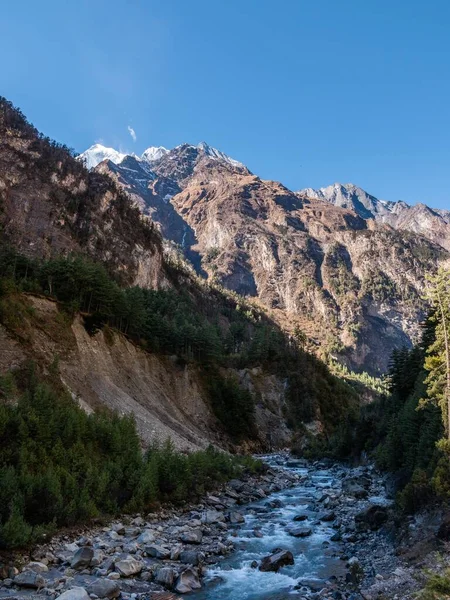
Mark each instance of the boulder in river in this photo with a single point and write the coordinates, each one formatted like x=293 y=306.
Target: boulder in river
x=300 y=517
x=279 y=558
x=236 y=517
x=300 y=531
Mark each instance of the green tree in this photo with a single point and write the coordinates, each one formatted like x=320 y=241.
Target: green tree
x=437 y=362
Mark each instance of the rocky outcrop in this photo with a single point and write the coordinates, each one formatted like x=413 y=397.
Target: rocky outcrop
x=431 y=223
x=353 y=285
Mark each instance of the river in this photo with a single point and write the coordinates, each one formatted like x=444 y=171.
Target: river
x=319 y=562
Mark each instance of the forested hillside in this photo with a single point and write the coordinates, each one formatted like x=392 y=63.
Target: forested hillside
x=407 y=431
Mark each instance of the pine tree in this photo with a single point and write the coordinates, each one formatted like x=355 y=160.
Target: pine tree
x=437 y=362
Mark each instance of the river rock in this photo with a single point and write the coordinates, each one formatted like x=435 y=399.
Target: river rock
x=193 y=536
x=82 y=558
x=276 y=560
x=301 y=517
x=37 y=567
x=128 y=567
x=187 y=581
x=165 y=576
x=300 y=531
x=104 y=588
x=328 y=516
x=236 y=517
x=352 y=488
x=191 y=557
x=213 y=516
x=156 y=551
x=146 y=537
x=76 y=593
x=29 y=579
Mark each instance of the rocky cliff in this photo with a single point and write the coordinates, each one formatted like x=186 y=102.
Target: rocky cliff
x=198 y=364
x=333 y=266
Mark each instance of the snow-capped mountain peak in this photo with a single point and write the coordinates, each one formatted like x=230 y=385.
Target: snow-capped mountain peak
x=154 y=153
x=97 y=153
x=217 y=154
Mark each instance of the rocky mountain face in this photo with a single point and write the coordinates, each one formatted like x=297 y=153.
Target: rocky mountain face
x=331 y=264
x=52 y=207
x=432 y=223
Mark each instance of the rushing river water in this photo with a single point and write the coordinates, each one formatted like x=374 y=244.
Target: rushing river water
x=265 y=528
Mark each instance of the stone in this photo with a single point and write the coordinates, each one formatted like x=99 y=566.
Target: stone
x=213 y=516
x=327 y=517
x=97 y=558
x=104 y=588
x=193 y=536
x=175 y=552
x=300 y=517
x=191 y=557
x=279 y=558
x=300 y=531
x=118 y=528
x=352 y=488
x=165 y=576
x=82 y=558
x=146 y=537
x=372 y=517
x=37 y=567
x=236 y=517
x=76 y=593
x=128 y=567
x=29 y=579
x=156 y=551
x=187 y=581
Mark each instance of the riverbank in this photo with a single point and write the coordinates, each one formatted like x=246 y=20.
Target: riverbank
x=142 y=554
x=304 y=530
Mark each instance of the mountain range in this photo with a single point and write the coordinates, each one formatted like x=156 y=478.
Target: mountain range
x=342 y=266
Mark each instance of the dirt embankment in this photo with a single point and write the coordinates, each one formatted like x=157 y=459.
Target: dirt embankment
x=167 y=399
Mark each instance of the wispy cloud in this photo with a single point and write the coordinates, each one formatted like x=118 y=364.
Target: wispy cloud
x=132 y=132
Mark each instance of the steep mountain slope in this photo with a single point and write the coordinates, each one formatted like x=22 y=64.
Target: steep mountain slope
x=188 y=359
x=50 y=204
x=353 y=285
x=433 y=224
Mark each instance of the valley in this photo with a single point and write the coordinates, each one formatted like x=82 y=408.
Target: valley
x=165 y=317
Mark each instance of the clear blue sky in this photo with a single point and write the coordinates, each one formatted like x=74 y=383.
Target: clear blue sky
x=307 y=93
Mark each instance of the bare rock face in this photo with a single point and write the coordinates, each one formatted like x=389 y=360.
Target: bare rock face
x=432 y=223
x=330 y=265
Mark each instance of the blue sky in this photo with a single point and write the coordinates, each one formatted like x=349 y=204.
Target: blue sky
x=307 y=93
